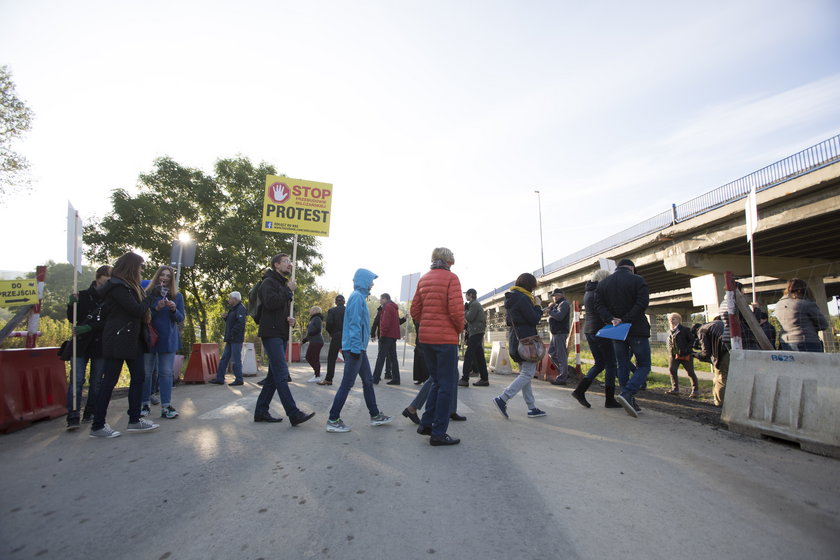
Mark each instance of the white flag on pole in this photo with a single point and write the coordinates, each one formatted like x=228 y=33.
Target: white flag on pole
x=751 y=211
x=409 y=286
x=74 y=238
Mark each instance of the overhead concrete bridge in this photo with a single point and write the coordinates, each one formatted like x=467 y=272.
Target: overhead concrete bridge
x=798 y=235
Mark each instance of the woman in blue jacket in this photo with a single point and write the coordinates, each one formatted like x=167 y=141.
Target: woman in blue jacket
x=167 y=306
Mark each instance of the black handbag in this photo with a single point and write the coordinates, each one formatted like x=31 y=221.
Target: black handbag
x=65 y=351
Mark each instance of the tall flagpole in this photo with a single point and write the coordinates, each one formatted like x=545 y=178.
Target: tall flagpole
x=292 y=305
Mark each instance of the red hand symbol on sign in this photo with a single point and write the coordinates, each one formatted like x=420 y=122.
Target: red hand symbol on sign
x=279 y=193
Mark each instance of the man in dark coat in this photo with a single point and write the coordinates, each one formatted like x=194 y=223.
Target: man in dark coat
x=622 y=297
x=559 y=323
x=235 y=318
x=335 y=324
x=88 y=324
x=276 y=293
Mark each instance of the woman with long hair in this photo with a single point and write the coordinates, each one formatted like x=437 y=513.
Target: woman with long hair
x=167 y=310
x=124 y=340
x=523 y=314
x=800 y=319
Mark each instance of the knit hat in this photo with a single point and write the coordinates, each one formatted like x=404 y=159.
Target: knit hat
x=626 y=262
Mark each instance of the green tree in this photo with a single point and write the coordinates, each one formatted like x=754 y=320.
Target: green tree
x=15 y=120
x=221 y=212
x=58 y=285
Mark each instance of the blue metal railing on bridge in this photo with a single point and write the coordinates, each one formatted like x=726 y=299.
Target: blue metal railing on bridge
x=820 y=155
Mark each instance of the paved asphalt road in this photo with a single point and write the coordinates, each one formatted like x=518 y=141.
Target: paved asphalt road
x=577 y=483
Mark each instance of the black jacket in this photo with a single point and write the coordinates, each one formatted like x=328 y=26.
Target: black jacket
x=235 y=323
x=559 y=317
x=91 y=312
x=275 y=301
x=680 y=341
x=313 y=329
x=126 y=334
x=624 y=295
x=712 y=345
x=335 y=320
x=522 y=318
x=593 y=322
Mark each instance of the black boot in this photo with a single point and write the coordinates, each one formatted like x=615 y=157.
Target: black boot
x=609 y=392
x=579 y=391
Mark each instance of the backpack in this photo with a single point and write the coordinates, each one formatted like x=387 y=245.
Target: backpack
x=254 y=303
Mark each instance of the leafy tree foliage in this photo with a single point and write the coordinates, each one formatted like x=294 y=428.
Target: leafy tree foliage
x=222 y=213
x=15 y=120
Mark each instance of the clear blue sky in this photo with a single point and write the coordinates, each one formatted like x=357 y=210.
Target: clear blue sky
x=435 y=121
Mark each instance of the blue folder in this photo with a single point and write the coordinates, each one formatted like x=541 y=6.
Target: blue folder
x=615 y=333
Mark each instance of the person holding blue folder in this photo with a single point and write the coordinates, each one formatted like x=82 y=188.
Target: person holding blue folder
x=622 y=298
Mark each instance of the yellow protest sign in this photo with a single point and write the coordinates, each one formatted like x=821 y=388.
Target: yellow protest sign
x=18 y=292
x=297 y=206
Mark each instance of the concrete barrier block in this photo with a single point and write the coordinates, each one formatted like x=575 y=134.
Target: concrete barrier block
x=249 y=360
x=499 y=358
x=787 y=395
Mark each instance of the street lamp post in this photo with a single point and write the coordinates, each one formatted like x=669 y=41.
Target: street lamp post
x=183 y=239
x=542 y=252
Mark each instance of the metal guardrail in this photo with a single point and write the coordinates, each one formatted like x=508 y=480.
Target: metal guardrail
x=807 y=161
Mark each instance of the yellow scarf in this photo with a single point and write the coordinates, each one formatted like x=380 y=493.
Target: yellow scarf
x=524 y=291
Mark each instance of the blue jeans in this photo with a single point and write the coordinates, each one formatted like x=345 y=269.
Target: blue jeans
x=80 y=366
x=278 y=379
x=604 y=356
x=352 y=367
x=442 y=363
x=110 y=376
x=423 y=394
x=639 y=347
x=232 y=351
x=165 y=362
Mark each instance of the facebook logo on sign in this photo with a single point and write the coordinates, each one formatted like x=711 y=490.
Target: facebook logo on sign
x=269 y=225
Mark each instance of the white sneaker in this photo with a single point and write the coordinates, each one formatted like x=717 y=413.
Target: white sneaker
x=315 y=379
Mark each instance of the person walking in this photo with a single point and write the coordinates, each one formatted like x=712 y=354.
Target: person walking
x=235 y=318
x=623 y=297
x=601 y=348
x=87 y=326
x=276 y=292
x=476 y=319
x=335 y=326
x=125 y=338
x=679 y=353
x=389 y=333
x=438 y=308
x=800 y=319
x=316 y=342
x=355 y=339
x=167 y=310
x=559 y=324
x=523 y=314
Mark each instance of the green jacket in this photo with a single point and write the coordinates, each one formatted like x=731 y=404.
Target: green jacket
x=476 y=318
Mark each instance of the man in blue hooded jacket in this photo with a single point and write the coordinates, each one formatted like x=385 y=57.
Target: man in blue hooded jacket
x=354 y=341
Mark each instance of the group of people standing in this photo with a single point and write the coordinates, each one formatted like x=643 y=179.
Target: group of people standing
x=118 y=321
